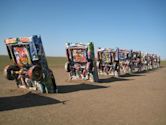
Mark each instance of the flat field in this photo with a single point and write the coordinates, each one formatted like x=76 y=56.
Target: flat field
x=137 y=99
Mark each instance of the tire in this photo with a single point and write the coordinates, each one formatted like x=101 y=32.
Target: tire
x=91 y=78
x=55 y=90
x=35 y=73
x=9 y=72
x=98 y=64
x=116 y=74
x=67 y=67
x=41 y=88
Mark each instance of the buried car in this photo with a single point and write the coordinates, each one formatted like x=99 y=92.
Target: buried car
x=108 y=61
x=81 y=62
x=29 y=68
x=136 y=61
x=125 y=61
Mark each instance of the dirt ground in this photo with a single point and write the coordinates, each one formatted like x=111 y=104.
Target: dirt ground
x=138 y=99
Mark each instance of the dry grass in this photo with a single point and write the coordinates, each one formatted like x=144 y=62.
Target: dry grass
x=53 y=62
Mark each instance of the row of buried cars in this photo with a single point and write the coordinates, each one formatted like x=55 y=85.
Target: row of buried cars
x=29 y=67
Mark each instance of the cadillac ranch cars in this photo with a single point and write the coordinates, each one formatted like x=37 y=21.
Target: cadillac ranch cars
x=30 y=70
x=117 y=61
x=108 y=61
x=81 y=62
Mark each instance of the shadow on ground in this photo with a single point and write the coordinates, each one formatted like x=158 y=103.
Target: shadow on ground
x=162 y=66
x=131 y=75
x=25 y=101
x=148 y=71
x=112 y=79
x=78 y=87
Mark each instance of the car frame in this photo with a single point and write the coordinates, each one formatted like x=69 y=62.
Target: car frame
x=108 y=61
x=81 y=64
x=29 y=66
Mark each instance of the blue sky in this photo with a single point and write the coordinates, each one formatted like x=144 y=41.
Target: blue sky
x=130 y=24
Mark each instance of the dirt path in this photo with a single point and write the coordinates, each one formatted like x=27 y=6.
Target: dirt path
x=139 y=99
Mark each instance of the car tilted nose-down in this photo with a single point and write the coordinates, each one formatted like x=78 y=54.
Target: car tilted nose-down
x=108 y=61
x=81 y=62
x=29 y=69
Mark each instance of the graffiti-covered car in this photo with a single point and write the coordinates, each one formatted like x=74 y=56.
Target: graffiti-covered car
x=136 y=61
x=108 y=61
x=125 y=61
x=81 y=62
x=29 y=66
